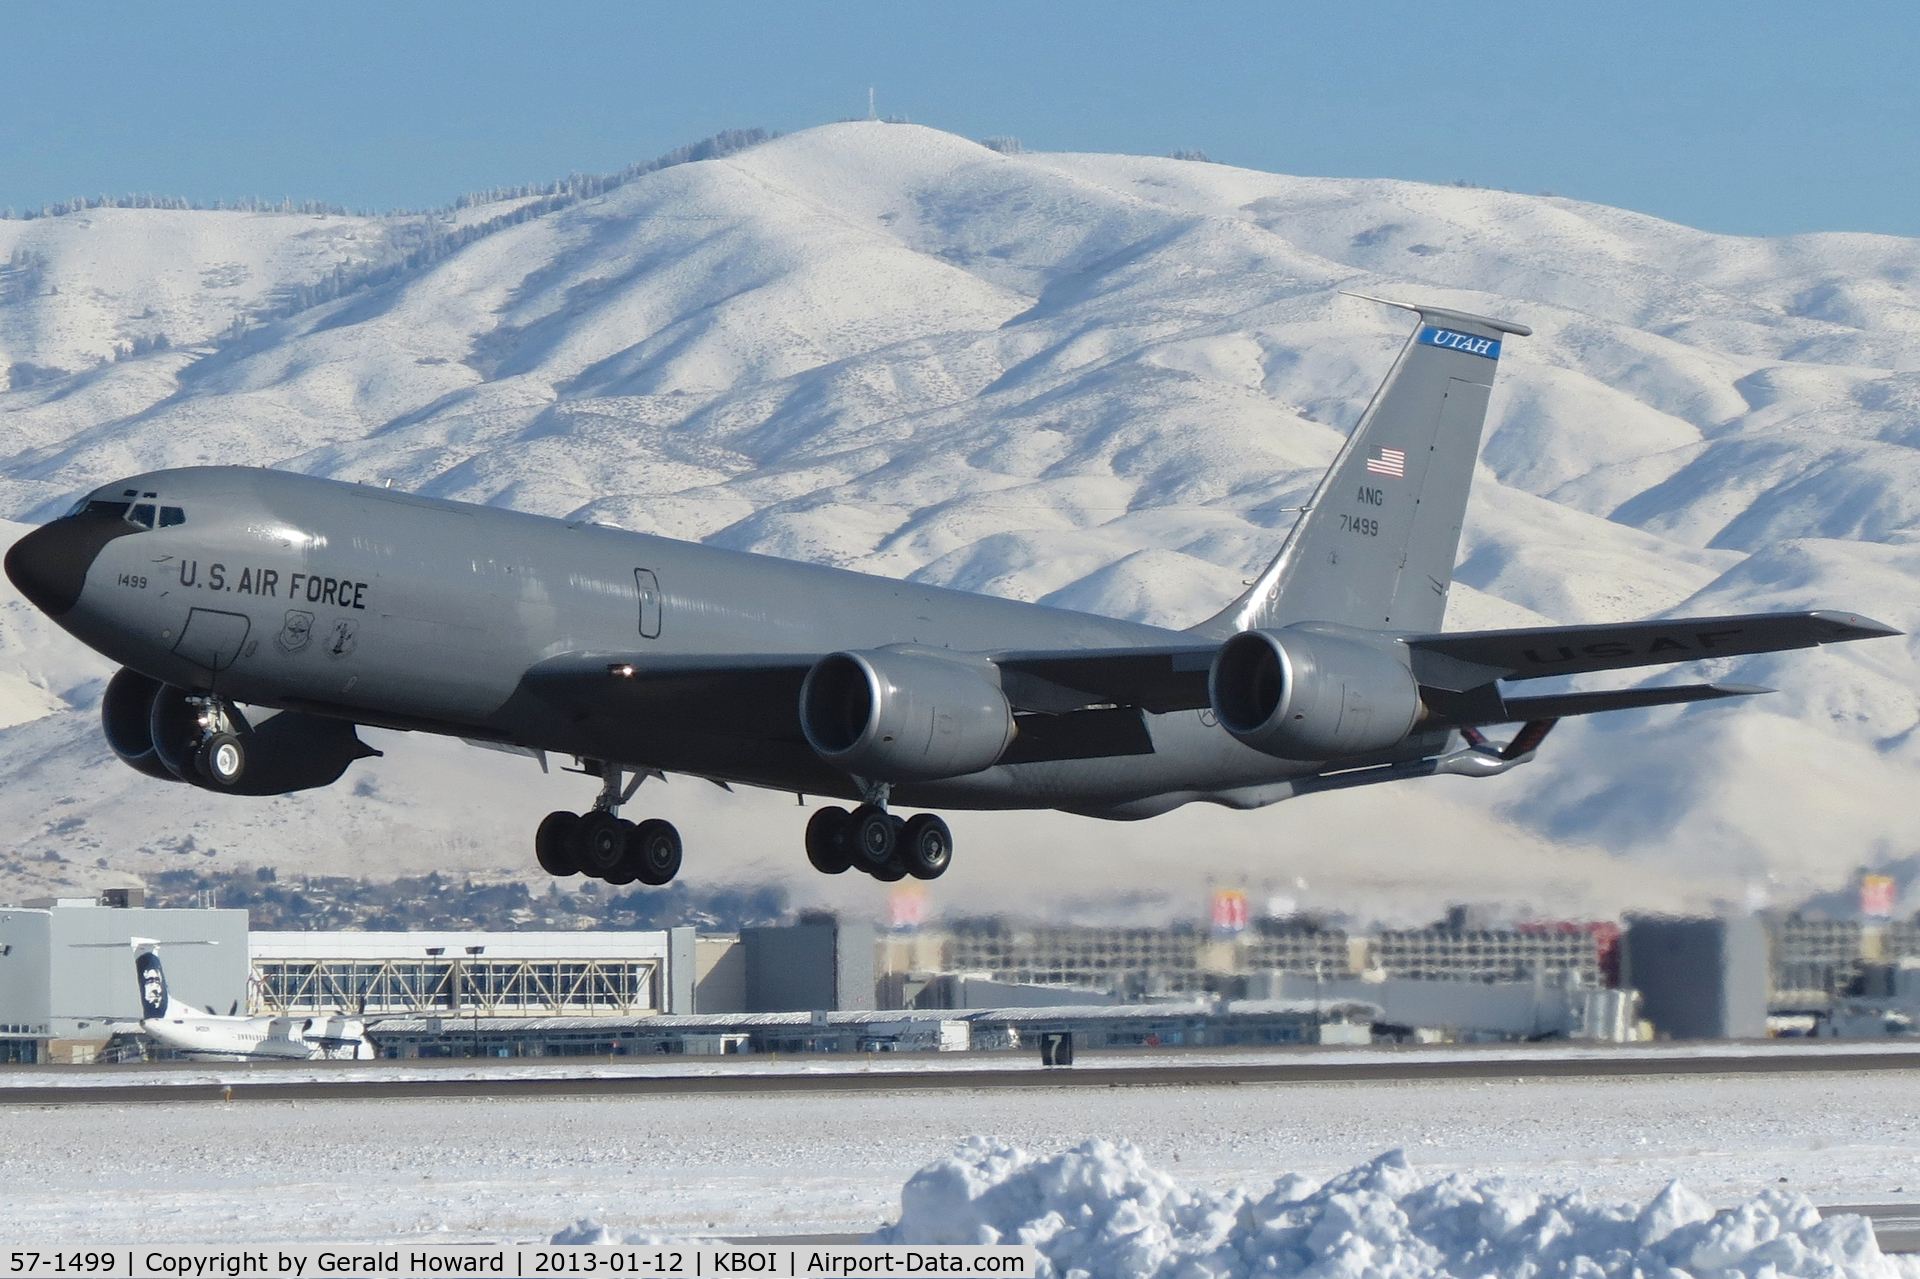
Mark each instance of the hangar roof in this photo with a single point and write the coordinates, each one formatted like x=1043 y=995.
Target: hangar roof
x=344 y=947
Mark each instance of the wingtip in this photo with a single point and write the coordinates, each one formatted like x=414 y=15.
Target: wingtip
x=1741 y=690
x=1853 y=626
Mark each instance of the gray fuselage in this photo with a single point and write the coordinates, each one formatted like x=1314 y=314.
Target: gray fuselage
x=287 y=591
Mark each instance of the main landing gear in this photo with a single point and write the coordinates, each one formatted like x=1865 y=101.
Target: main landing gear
x=873 y=840
x=603 y=845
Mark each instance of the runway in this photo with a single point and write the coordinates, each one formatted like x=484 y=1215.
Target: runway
x=1896 y=1227
x=472 y=1151
x=666 y=1077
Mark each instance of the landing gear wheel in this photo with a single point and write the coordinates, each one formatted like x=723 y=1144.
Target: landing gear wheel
x=926 y=847
x=627 y=869
x=553 y=844
x=872 y=837
x=598 y=844
x=891 y=872
x=653 y=852
x=221 y=759
x=827 y=840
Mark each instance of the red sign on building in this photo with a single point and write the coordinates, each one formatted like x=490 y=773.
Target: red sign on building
x=1230 y=911
x=1876 y=896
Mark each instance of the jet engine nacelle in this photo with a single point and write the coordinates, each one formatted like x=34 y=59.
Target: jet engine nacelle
x=126 y=713
x=896 y=717
x=155 y=728
x=1311 y=695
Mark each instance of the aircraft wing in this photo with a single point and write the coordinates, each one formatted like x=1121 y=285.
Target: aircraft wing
x=1095 y=695
x=749 y=694
x=1466 y=660
x=1173 y=678
x=764 y=689
x=1081 y=704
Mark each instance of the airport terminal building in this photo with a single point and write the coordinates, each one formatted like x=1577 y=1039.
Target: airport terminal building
x=67 y=985
x=518 y=974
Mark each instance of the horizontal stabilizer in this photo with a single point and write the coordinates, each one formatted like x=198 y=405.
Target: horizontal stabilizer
x=1484 y=705
x=1564 y=705
x=1468 y=659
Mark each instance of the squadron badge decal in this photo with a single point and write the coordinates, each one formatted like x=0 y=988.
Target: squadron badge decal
x=296 y=634
x=342 y=639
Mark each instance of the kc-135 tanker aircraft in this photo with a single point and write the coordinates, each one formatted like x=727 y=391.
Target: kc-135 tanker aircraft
x=337 y=605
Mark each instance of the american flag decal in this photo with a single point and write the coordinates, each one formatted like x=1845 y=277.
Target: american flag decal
x=1386 y=461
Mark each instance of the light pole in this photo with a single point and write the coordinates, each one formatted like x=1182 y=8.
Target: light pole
x=474 y=952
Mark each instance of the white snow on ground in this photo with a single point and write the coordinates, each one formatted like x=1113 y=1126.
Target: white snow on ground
x=814 y=1163
x=1516 y=1059
x=1096 y=380
x=1102 y=1210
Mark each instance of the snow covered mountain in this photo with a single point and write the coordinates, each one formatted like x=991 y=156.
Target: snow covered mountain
x=1094 y=380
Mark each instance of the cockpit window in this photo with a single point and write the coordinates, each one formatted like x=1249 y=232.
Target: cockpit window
x=146 y=514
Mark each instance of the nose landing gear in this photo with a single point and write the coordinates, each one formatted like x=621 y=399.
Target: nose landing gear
x=603 y=845
x=200 y=738
x=873 y=840
x=221 y=759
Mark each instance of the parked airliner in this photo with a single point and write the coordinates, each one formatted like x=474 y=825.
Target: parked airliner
x=205 y=1035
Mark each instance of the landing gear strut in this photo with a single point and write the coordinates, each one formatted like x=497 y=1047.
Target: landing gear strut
x=603 y=845
x=873 y=840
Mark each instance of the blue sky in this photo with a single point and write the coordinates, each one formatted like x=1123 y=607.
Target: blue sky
x=1749 y=118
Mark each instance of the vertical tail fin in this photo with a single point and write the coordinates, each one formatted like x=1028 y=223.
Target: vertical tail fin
x=1376 y=545
x=152 y=979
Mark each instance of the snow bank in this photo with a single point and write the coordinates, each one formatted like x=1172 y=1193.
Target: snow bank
x=1101 y=1211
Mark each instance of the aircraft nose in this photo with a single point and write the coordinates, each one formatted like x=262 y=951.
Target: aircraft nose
x=50 y=564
